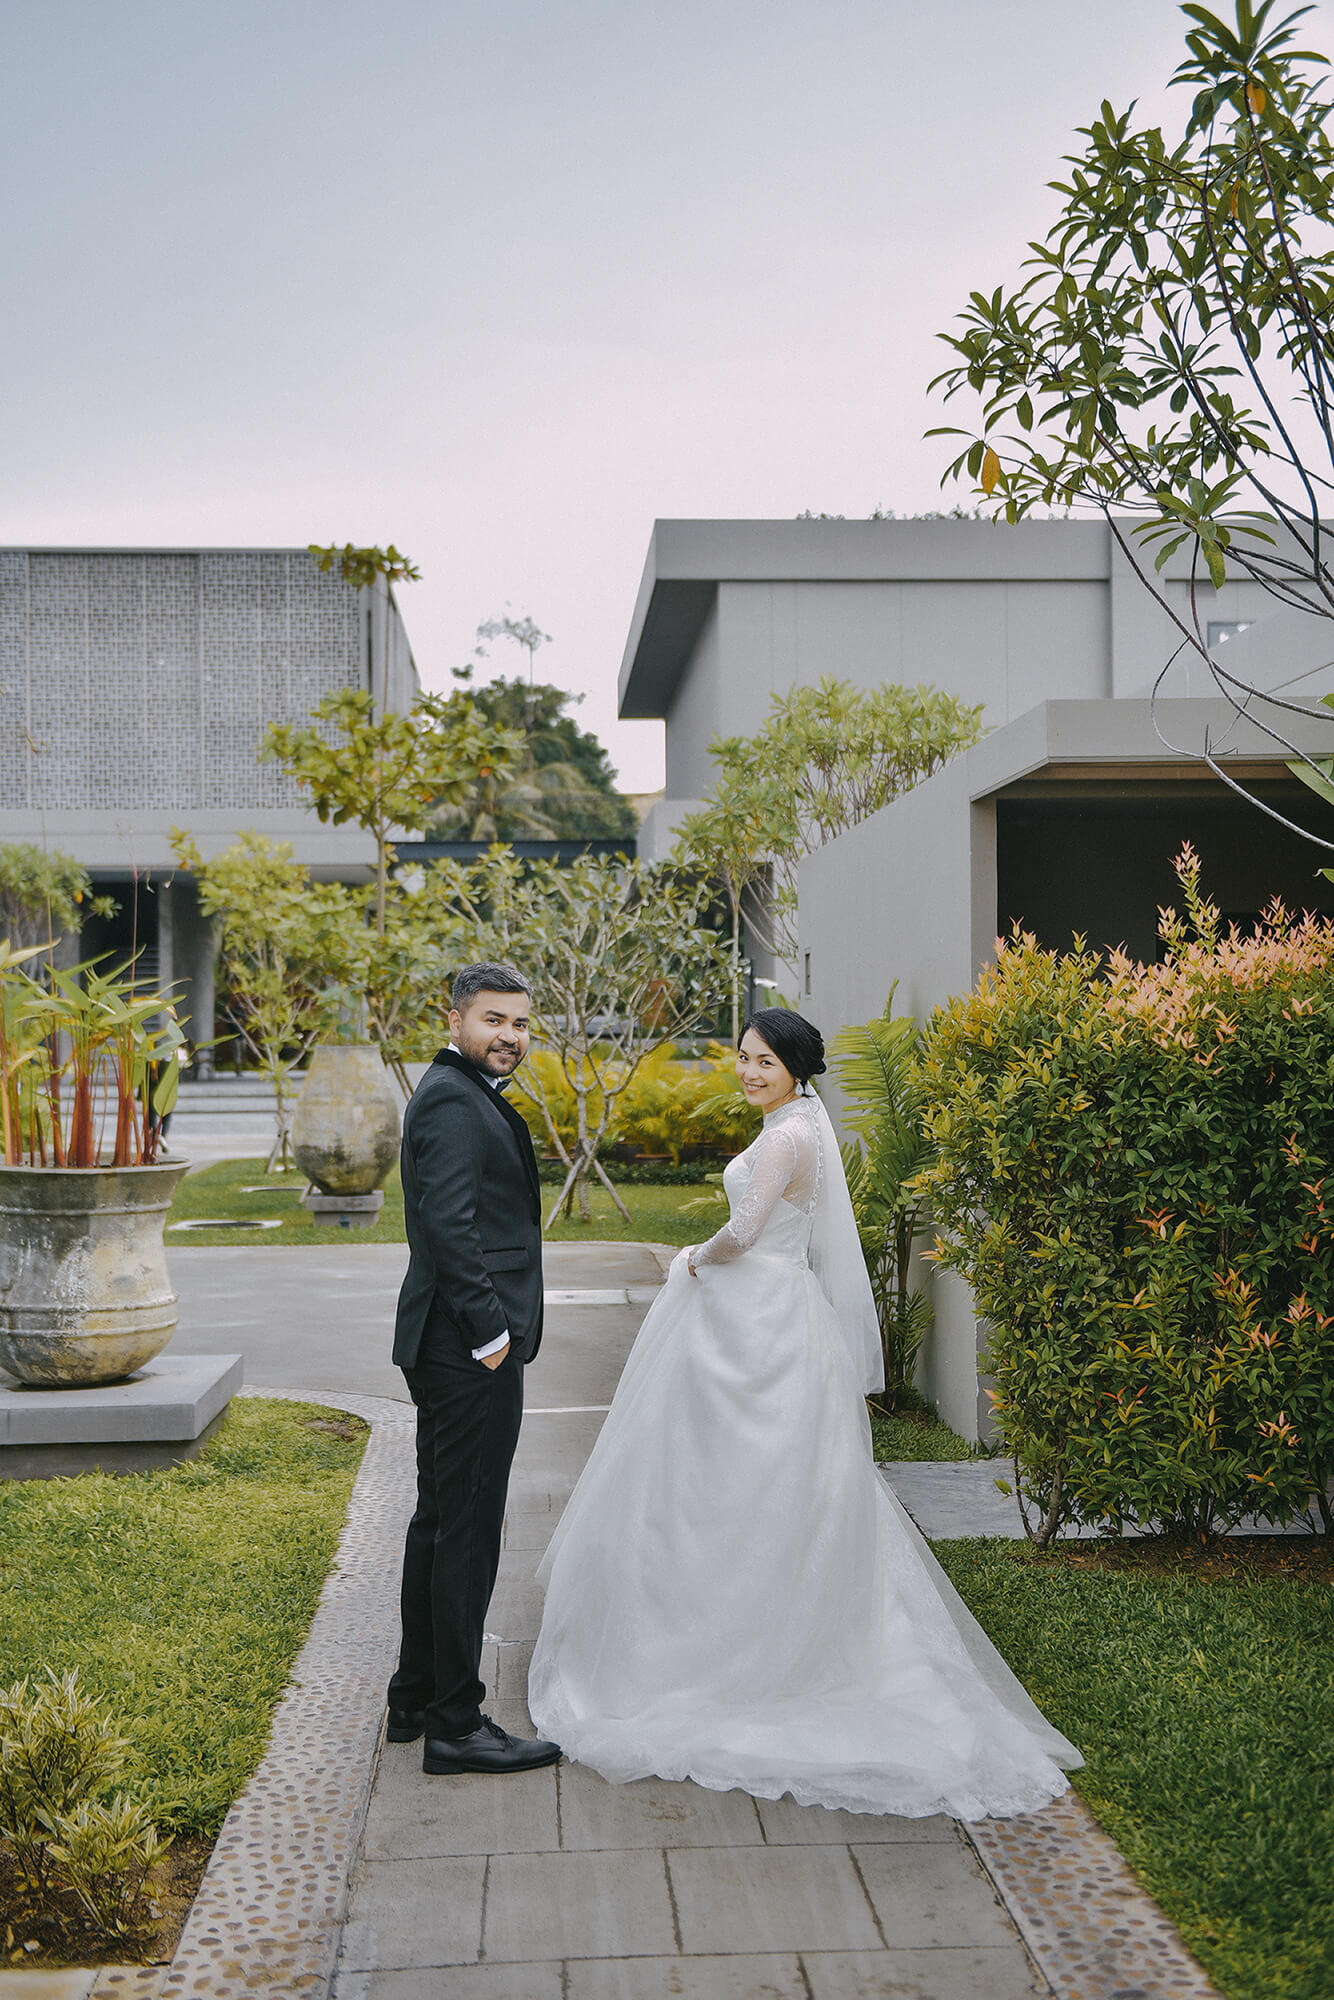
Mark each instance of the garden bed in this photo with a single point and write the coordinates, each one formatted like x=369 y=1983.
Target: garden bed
x=1199 y=1684
x=182 y=1597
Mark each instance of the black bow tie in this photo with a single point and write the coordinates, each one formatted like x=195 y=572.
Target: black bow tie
x=501 y=1082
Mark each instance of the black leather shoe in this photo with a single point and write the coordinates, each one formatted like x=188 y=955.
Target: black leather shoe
x=405 y=1725
x=489 y=1748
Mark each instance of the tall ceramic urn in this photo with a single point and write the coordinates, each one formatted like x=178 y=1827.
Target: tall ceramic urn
x=345 y=1130
x=84 y=1292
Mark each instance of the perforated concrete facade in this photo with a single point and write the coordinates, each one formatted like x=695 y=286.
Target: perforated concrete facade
x=143 y=680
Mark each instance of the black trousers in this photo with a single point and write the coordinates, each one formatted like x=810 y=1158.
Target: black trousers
x=467 y=1428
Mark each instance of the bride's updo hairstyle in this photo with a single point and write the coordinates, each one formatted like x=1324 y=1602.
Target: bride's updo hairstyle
x=798 y=1044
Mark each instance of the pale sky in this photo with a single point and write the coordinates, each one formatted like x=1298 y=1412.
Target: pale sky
x=503 y=282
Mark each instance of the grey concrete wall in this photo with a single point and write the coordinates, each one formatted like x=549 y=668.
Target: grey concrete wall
x=697 y=714
x=894 y=900
x=1004 y=645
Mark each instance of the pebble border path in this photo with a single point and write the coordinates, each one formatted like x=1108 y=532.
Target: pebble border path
x=266 y=1922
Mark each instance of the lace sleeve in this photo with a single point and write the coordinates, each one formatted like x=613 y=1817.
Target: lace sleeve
x=771 y=1173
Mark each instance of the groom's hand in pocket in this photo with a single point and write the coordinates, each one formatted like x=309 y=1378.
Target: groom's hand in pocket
x=494 y=1360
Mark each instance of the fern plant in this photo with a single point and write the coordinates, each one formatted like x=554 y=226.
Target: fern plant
x=875 y=1067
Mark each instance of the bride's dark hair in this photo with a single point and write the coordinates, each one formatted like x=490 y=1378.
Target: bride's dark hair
x=798 y=1044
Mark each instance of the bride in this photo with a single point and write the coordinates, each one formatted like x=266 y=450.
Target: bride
x=733 y=1594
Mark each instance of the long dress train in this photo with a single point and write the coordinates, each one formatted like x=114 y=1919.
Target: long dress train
x=733 y=1595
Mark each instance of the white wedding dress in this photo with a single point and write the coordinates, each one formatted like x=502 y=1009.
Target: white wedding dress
x=733 y=1595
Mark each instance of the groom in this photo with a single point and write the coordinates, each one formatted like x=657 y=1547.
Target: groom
x=469 y=1317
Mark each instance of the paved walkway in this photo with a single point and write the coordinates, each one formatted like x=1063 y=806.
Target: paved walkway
x=555 y=1883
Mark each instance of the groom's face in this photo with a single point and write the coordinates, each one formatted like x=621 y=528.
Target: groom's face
x=492 y=1031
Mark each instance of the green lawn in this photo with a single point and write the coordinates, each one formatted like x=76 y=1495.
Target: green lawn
x=183 y=1595
x=918 y=1434
x=1201 y=1692
x=658 y=1214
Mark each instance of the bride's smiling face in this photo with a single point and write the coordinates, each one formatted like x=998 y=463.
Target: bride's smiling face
x=766 y=1081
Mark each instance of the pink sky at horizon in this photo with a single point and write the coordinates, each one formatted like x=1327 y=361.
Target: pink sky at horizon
x=504 y=286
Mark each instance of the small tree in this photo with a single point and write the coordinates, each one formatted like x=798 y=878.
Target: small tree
x=42 y=895
x=361 y=567
x=732 y=841
x=826 y=758
x=619 y=963
x=1168 y=362
x=287 y=956
x=564 y=787
x=525 y=632
x=389 y=773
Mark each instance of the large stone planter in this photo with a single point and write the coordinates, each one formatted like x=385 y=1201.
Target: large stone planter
x=84 y=1292
x=345 y=1130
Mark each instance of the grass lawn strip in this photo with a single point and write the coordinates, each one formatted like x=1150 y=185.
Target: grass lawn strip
x=917 y=1435
x=182 y=1596
x=1200 y=1688
x=658 y=1214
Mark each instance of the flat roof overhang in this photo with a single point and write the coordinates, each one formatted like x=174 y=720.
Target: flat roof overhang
x=687 y=560
x=1110 y=746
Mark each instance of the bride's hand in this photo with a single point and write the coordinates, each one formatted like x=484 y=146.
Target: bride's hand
x=681 y=1261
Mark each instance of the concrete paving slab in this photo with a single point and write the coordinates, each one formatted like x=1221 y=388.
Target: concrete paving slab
x=414 y=1816
x=653 y=1812
x=325 y=1314
x=516 y=1610
x=409 y=1913
x=528 y=1534
x=578 y=1906
x=952 y=1501
x=786 y=1824
x=771 y=1976
x=511 y=1676
x=933 y=1895
x=757 y=1899
x=19 y=1983
x=969 y=1974
x=454 y=1982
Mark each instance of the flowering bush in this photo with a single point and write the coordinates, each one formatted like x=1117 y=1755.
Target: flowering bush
x=668 y=1107
x=1136 y=1176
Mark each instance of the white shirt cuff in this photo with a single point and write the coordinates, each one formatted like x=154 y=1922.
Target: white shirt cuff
x=492 y=1347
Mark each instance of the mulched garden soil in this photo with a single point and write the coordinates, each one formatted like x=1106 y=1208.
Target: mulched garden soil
x=1234 y=1559
x=61 y=1934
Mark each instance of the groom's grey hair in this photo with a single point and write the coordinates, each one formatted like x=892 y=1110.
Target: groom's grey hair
x=475 y=979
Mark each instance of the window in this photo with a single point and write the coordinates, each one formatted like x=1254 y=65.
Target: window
x=1223 y=629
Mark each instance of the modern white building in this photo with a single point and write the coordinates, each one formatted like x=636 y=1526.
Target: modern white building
x=1064 y=818
x=135 y=686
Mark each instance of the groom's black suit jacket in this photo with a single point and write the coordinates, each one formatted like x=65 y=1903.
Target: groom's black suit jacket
x=472 y=1210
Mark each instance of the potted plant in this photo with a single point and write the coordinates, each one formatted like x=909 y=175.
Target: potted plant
x=87 y=1074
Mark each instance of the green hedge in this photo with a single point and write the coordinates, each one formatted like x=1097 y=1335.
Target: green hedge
x=1133 y=1176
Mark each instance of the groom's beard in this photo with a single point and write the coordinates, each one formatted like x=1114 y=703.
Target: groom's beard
x=490 y=1054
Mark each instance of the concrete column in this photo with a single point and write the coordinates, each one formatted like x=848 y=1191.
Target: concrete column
x=166 y=918
x=194 y=952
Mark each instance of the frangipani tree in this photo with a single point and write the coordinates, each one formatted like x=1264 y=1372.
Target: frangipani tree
x=620 y=963
x=1167 y=358
x=825 y=759
x=390 y=772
